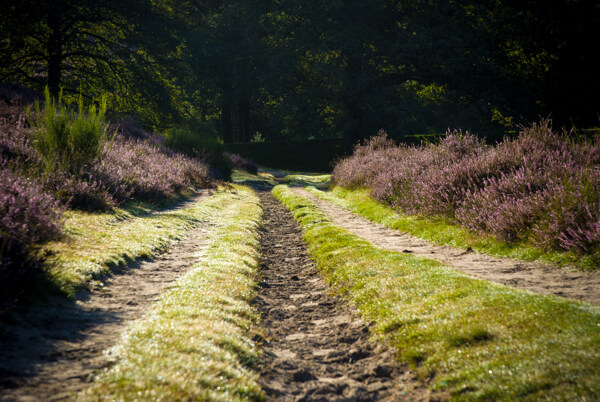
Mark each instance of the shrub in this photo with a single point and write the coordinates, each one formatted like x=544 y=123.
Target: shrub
x=67 y=140
x=541 y=187
x=202 y=146
x=135 y=168
x=241 y=163
x=28 y=216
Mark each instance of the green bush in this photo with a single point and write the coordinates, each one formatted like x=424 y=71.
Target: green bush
x=202 y=146
x=68 y=140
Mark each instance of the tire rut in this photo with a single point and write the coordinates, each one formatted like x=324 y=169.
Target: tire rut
x=532 y=276
x=315 y=347
x=53 y=351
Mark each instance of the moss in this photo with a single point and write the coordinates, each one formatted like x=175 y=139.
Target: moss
x=96 y=242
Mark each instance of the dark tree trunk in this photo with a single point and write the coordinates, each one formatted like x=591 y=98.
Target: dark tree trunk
x=244 y=120
x=55 y=54
x=226 y=122
x=226 y=109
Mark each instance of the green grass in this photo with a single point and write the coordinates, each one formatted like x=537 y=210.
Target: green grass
x=95 y=242
x=320 y=181
x=441 y=232
x=265 y=180
x=195 y=342
x=471 y=338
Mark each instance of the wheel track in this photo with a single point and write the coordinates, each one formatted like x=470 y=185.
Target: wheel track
x=316 y=347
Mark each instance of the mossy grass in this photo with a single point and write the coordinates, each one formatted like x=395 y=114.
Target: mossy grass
x=320 y=181
x=265 y=180
x=471 y=338
x=94 y=242
x=444 y=233
x=195 y=343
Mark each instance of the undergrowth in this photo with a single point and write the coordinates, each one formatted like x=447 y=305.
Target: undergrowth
x=472 y=338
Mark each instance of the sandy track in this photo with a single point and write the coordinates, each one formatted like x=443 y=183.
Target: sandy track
x=532 y=276
x=55 y=349
x=315 y=347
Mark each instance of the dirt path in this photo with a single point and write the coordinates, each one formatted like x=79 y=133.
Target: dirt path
x=54 y=351
x=316 y=348
x=532 y=276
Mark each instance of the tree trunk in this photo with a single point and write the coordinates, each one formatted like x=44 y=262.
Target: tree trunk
x=226 y=109
x=55 y=54
x=226 y=122
x=244 y=120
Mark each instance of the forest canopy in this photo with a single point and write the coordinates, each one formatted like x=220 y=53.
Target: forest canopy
x=313 y=68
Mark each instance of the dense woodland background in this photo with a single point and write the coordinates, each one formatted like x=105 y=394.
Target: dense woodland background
x=293 y=70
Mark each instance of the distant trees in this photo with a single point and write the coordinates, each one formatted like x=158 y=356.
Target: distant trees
x=312 y=68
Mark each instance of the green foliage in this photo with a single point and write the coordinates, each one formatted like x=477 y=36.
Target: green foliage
x=199 y=144
x=300 y=70
x=68 y=140
x=305 y=156
x=258 y=137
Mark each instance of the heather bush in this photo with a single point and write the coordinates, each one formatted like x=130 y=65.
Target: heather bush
x=541 y=187
x=196 y=144
x=16 y=147
x=28 y=216
x=243 y=164
x=135 y=168
x=67 y=140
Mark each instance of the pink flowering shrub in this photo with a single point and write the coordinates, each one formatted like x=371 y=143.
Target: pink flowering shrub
x=135 y=168
x=243 y=164
x=541 y=186
x=28 y=216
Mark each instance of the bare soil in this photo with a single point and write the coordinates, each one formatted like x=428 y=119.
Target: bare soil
x=315 y=346
x=53 y=351
x=532 y=276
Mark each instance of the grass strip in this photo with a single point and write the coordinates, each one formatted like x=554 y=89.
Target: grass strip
x=195 y=342
x=472 y=338
x=441 y=232
x=95 y=242
x=320 y=181
x=265 y=180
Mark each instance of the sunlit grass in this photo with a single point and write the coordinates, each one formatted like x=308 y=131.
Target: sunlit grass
x=195 y=342
x=95 y=242
x=444 y=233
x=266 y=180
x=321 y=181
x=472 y=338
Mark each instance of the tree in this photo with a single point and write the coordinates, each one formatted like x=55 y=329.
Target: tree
x=90 y=47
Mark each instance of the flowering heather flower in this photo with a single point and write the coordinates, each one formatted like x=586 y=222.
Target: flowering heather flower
x=27 y=214
x=136 y=168
x=242 y=163
x=541 y=186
